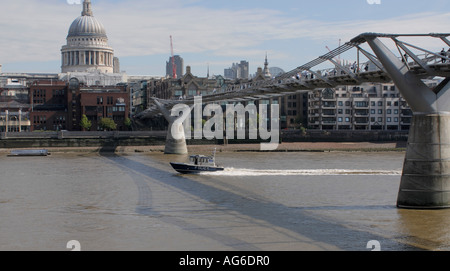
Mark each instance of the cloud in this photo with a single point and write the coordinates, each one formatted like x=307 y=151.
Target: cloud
x=34 y=30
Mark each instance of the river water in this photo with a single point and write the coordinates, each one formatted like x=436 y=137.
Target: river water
x=262 y=201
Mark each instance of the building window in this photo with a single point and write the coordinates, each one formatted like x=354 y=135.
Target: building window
x=361 y=104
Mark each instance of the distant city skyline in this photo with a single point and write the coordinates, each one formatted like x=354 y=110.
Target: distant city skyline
x=209 y=35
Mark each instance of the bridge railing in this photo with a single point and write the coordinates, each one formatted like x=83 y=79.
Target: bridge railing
x=303 y=76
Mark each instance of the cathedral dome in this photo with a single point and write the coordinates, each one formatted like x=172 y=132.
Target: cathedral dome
x=87 y=46
x=86 y=26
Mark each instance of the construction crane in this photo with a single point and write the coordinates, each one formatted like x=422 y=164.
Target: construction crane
x=174 y=67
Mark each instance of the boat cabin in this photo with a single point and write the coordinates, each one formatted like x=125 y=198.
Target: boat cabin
x=201 y=159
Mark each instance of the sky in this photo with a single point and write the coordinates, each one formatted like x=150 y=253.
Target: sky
x=208 y=33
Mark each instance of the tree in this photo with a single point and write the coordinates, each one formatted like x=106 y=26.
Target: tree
x=127 y=123
x=108 y=124
x=85 y=123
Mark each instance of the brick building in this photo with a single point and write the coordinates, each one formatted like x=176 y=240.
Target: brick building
x=97 y=102
x=58 y=105
x=48 y=99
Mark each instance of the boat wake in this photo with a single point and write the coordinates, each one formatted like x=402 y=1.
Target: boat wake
x=301 y=172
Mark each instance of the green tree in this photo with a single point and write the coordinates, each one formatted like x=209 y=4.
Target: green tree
x=127 y=123
x=108 y=124
x=85 y=123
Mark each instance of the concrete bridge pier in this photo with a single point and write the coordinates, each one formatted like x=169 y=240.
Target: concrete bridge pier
x=425 y=182
x=176 y=139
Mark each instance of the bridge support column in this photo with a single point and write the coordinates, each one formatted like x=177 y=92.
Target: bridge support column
x=425 y=182
x=176 y=139
x=175 y=143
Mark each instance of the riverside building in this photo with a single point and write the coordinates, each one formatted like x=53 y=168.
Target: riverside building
x=371 y=106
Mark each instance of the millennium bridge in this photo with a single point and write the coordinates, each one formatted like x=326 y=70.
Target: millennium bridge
x=404 y=59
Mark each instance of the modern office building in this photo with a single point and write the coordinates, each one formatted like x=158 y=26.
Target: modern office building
x=179 y=66
x=238 y=71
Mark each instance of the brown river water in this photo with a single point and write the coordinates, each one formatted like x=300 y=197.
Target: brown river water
x=262 y=201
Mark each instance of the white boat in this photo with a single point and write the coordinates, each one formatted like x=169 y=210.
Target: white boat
x=198 y=164
x=29 y=153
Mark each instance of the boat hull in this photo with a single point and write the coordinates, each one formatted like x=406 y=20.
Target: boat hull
x=194 y=169
x=29 y=153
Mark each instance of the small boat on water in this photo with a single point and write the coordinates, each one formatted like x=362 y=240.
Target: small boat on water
x=198 y=164
x=29 y=153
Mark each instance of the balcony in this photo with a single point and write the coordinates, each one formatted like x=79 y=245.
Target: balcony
x=361 y=104
x=406 y=113
x=363 y=112
x=329 y=121
x=361 y=121
x=329 y=105
x=329 y=113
